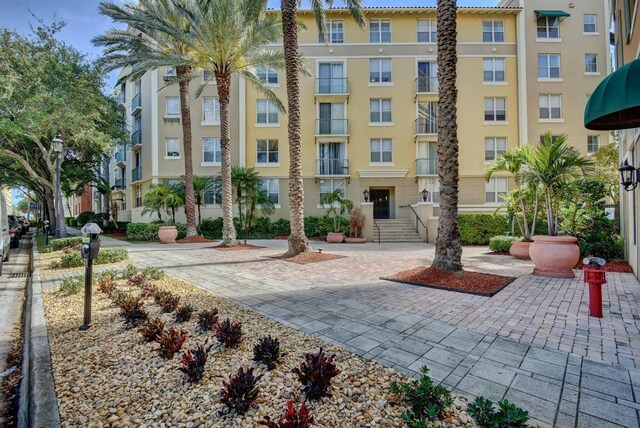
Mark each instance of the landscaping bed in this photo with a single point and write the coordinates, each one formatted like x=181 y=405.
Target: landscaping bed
x=50 y=262
x=615 y=266
x=109 y=376
x=238 y=247
x=309 y=257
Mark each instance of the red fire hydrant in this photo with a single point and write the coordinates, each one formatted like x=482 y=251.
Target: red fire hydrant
x=595 y=277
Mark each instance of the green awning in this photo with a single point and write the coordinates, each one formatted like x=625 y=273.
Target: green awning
x=553 y=13
x=615 y=104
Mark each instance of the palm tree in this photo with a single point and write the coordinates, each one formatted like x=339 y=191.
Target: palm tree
x=202 y=185
x=298 y=242
x=448 y=256
x=163 y=197
x=338 y=205
x=232 y=39
x=104 y=188
x=245 y=180
x=156 y=36
x=68 y=191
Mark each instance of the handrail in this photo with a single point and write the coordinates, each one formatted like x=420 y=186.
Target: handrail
x=375 y=223
x=418 y=219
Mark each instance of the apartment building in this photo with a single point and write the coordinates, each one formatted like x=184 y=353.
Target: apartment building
x=369 y=109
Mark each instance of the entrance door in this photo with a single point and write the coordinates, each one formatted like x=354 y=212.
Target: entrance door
x=381 y=203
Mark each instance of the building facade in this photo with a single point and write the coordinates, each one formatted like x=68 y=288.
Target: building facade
x=369 y=108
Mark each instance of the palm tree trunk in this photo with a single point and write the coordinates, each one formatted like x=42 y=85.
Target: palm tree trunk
x=298 y=242
x=448 y=256
x=183 y=74
x=223 y=80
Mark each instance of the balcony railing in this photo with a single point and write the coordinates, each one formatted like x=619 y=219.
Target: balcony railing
x=136 y=138
x=119 y=183
x=136 y=174
x=426 y=126
x=426 y=84
x=333 y=167
x=135 y=102
x=426 y=166
x=332 y=126
x=332 y=85
x=120 y=98
x=121 y=155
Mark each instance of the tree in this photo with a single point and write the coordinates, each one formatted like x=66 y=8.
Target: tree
x=163 y=43
x=448 y=256
x=250 y=194
x=202 y=185
x=606 y=163
x=298 y=242
x=70 y=191
x=104 y=188
x=338 y=205
x=163 y=197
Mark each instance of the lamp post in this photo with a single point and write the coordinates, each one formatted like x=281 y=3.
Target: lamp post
x=425 y=195
x=61 y=230
x=366 y=195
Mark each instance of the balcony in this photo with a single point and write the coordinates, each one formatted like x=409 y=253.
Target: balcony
x=121 y=156
x=332 y=86
x=136 y=174
x=332 y=127
x=119 y=184
x=426 y=126
x=136 y=139
x=332 y=167
x=120 y=98
x=136 y=105
x=426 y=85
x=426 y=166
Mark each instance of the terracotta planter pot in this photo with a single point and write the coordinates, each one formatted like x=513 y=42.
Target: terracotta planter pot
x=355 y=240
x=335 y=237
x=168 y=234
x=520 y=250
x=554 y=256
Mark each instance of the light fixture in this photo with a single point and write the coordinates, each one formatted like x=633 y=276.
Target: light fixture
x=628 y=175
x=365 y=193
x=57 y=144
x=425 y=195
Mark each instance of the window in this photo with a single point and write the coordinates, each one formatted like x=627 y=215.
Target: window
x=380 y=110
x=173 y=147
x=427 y=31
x=550 y=106
x=212 y=194
x=427 y=122
x=328 y=185
x=267 y=112
x=591 y=63
x=549 y=66
x=494 y=147
x=211 y=110
x=208 y=76
x=590 y=25
x=336 y=32
x=169 y=73
x=211 y=152
x=138 y=196
x=268 y=75
x=331 y=78
x=427 y=76
x=593 y=143
x=267 y=151
x=173 y=106
x=492 y=30
x=332 y=120
x=496 y=190
x=332 y=159
x=548 y=27
x=494 y=69
x=381 y=150
x=554 y=138
x=380 y=70
x=495 y=109
x=380 y=31
x=272 y=187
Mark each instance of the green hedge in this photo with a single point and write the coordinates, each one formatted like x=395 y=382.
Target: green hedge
x=149 y=231
x=62 y=243
x=501 y=244
x=264 y=228
x=106 y=256
x=479 y=228
x=85 y=217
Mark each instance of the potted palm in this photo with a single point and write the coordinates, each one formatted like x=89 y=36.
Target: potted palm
x=356 y=223
x=337 y=205
x=164 y=197
x=552 y=165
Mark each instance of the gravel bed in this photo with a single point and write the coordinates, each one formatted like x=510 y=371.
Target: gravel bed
x=108 y=376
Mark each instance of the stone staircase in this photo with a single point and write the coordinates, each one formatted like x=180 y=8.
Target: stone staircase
x=396 y=230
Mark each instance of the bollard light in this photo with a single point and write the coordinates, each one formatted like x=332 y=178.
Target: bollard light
x=89 y=251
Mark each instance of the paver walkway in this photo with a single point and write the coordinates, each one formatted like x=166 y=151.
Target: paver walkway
x=533 y=343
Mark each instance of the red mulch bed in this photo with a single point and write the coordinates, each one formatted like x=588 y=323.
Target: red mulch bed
x=240 y=247
x=194 y=240
x=499 y=253
x=117 y=235
x=482 y=284
x=309 y=257
x=622 y=267
x=281 y=238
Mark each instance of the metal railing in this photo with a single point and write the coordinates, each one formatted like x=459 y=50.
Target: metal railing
x=425 y=84
x=332 y=85
x=426 y=126
x=332 y=167
x=136 y=138
x=375 y=224
x=135 y=102
x=120 y=98
x=136 y=174
x=418 y=222
x=119 y=183
x=332 y=126
x=121 y=155
x=426 y=166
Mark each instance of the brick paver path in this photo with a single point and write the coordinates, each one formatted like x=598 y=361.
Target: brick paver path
x=533 y=343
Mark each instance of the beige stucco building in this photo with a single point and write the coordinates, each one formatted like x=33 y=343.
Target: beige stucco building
x=369 y=107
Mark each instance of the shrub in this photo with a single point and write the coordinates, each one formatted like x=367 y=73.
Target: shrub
x=426 y=400
x=106 y=285
x=118 y=297
x=112 y=255
x=207 y=319
x=169 y=302
x=62 y=243
x=229 y=333
x=316 y=373
x=149 y=231
x=292 y=418
x=170 y=342
x=148 y=289
x=239 y=393
x=67 y=261
x=193 y=361
x=501 y=244
x=153 y=273
x=281 y=227
x=267 y=351
x=151 y=329
x=107 y=273
x=138 y=280
x=128 y=271
x=132 y=310
x=73 y=222
x=211 y=228
x=85 y=217
x=479 y=228
x=183 y=313
x=507 y=415
x=72 y=285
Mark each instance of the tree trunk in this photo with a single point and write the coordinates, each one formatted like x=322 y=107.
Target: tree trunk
x=223 y=80
x=51 y=212
x=448 y=256
x=183 y=74
x=298 y=242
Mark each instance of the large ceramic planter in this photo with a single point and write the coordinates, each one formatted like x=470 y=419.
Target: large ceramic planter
x=520 y=250
x=355 y=240
x=167 y=234
x=554 y=256
x=335 y=237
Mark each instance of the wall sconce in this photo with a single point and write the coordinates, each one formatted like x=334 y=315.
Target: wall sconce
x=628 y=175
x=366 y=195
x=425 y=195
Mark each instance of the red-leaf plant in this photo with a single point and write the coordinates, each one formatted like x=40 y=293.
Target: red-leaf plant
x=170 y=342
x=193 y=361
x=316 y=373
x=239 y=393
x=291 y=418
x=151 y=329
